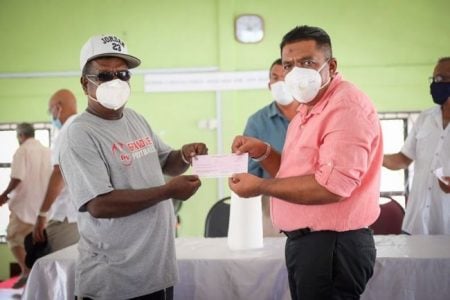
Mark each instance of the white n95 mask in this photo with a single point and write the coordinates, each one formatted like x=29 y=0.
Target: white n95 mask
x=280 y=93
x=304 y=84
x=112 y=94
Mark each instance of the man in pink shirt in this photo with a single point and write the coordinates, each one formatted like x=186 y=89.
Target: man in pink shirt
x=326 y=187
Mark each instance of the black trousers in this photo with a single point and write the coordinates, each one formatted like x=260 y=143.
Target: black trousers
x=166 y=294
x=329 y=264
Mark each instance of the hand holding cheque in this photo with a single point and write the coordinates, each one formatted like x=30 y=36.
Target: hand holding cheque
x=189 y=151
x=248 y=185
x=235 y=165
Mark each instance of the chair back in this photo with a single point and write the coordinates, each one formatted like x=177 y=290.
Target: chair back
x=217 y=219
x=390 y=218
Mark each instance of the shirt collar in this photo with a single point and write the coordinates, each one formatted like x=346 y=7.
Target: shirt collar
x=29 y=141
x=274 y=111
x=70 y=119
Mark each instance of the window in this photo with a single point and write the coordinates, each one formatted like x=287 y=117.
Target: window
x=395 y=127
x=9 y=146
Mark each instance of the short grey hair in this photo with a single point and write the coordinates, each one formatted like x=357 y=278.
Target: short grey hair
x=25 y=129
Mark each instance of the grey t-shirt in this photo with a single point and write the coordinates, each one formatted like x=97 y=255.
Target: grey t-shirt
x=124 y=257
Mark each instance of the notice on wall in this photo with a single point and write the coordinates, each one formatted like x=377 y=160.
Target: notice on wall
x=205 y=81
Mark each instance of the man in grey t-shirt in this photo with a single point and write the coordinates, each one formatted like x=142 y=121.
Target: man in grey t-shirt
x=113 y=164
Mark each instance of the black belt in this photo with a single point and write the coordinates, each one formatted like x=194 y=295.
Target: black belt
x=297 y=233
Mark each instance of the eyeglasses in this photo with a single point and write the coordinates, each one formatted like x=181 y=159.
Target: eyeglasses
x=108 y=76
x=438 y=78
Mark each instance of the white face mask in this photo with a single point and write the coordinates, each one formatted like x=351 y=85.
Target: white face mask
x=280 y=93
x=304 y=84
x=112 y=94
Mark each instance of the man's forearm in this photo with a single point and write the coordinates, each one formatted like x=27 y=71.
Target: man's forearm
x=122 y=203
x=174 y=164
x=272 y=163
x=13 y=183
x=300 y=190
x=54 y=188
x=396 y=161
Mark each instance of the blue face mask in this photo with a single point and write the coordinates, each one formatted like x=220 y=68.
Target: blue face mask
x=440 y=91
x=56 y=123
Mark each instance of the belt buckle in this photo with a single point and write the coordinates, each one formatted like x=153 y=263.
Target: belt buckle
x=297 y=233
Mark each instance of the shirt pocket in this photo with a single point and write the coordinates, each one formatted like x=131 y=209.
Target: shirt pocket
x=425 y=144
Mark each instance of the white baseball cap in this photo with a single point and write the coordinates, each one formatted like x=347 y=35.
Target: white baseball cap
x=106 y=45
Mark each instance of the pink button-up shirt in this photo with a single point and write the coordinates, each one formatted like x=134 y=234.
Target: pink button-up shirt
x=340 y=142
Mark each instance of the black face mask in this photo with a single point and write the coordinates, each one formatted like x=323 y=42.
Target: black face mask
x=440 y=91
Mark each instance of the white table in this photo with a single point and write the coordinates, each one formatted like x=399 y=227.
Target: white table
x=407 y=267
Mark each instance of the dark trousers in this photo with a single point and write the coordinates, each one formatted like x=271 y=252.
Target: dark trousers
x=329 y=264
x=166 y=294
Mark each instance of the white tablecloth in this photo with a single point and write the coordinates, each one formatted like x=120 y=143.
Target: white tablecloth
x=407 y=267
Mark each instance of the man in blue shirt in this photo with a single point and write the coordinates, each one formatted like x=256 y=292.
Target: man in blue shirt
x=270 y=123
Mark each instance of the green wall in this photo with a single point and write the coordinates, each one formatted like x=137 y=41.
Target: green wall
x=5 y=258
x=388 y=48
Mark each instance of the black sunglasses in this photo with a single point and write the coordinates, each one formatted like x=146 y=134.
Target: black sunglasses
x=108 y=76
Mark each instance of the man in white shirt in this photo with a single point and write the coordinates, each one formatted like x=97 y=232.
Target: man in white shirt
x=62 y=230
x=428 y=144
x=30 y=172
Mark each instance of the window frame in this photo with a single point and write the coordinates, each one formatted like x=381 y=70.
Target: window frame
x=408 y=118
x=6 y=165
